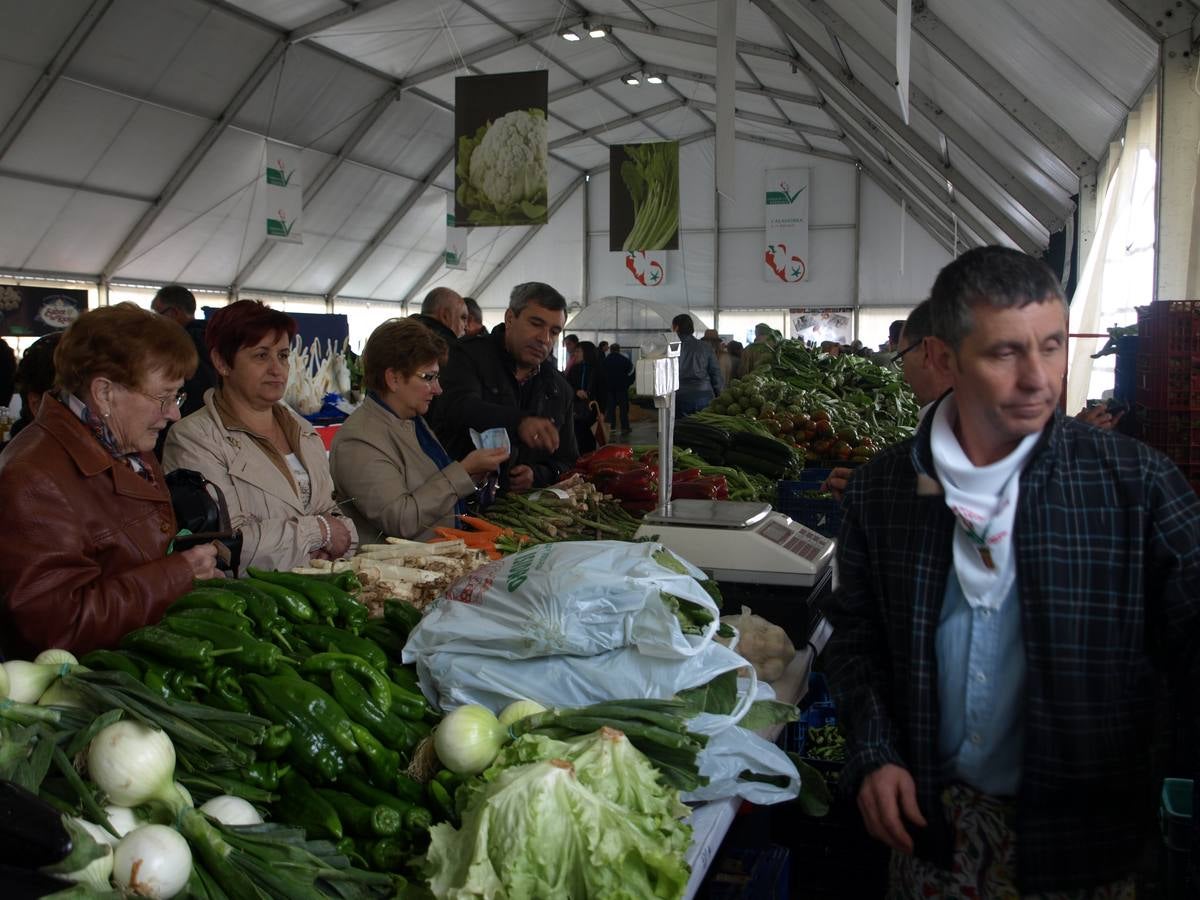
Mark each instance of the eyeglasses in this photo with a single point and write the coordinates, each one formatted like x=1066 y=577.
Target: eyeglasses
x=429 y=377
x=899 y=356
x=164 y=403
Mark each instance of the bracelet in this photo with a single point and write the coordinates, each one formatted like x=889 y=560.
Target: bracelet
x=326 y=533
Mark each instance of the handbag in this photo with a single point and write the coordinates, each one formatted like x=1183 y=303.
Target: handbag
x=599 y=428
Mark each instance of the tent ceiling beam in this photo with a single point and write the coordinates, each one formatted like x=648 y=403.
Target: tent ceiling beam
x=189 y=164
x=803 y=149
x=410 y=200
x=683 y=142
x=1002 y=92
x=779 y=121
x=1050 y=213
x=774 y=101
x=1157 y=18
x=439 y=260
x=72 y=186
x=658 y=110
x=745 y=87
x=342 y=16
x=907 y=137
x=689 y=37
x=528 y=236
x=365 y=124
x=41 y=87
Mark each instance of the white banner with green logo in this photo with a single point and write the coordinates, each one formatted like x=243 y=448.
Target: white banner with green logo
x=456 y=239
x=284 y=194
x=786 y=230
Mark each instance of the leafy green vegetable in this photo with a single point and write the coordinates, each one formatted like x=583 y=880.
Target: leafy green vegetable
x=537 y=831
x=719 y=696
x=651 y=173
x=765 y=713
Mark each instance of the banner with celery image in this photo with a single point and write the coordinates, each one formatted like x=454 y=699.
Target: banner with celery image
x=643 y=196
x=501 y=175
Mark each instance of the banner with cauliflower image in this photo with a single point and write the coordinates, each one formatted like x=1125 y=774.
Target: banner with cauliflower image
x=501 y=175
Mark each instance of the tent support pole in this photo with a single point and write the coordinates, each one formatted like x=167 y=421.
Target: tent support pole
x=716 y=290
x=858 y=218
x=585 y=276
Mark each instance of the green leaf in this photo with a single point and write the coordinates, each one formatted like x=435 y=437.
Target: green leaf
x=719 y=696
x=765 y=713
x=815 y=798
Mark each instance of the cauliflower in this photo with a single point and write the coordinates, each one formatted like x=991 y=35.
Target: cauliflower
x=763 y=644
x=508 y=165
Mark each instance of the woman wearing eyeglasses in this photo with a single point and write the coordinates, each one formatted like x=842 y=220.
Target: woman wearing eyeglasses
x=87 y=518
x=269 y=462
x=388 y=467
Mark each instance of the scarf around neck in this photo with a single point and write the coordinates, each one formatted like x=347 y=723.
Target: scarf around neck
x=984 y=502
x=103 y=434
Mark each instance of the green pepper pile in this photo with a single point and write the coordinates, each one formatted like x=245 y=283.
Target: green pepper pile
x=341 y=717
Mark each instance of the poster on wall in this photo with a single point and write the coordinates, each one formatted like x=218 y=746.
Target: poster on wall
x=501 y=175
x=34 y=311
x=826 y=324
x=284 y=193
x=786 y=232
x=456 y=241
x=643 y=196
x=645 y=269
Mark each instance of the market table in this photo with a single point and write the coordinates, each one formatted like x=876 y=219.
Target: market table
x=710 y=822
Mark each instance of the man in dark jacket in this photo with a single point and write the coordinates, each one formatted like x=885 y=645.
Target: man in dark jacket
x=1014 y=584
x=699 y=373
x=618 y=373
x=178 y=304
x=505 y=380
x=444 y=312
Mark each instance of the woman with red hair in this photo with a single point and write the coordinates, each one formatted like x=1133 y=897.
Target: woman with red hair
x=269 y=462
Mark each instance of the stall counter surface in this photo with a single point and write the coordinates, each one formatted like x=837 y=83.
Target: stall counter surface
x=710 y=822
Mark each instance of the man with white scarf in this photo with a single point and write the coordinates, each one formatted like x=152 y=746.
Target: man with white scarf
x=1014 y=585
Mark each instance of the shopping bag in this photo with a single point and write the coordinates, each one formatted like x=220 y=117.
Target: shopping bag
x=599 y=427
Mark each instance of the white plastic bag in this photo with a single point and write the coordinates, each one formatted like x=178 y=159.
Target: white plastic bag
x=575 y=598
x=735 y=750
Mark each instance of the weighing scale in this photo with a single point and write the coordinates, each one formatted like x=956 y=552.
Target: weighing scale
x=746 y=543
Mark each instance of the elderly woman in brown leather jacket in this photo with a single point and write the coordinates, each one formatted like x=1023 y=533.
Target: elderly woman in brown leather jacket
x=87 y=519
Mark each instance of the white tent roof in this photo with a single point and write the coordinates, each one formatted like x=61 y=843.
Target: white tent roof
x=625 y=317
x=131 y=131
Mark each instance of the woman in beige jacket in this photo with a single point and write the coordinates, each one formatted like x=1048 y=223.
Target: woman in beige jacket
x=269 y=463
x=389 y=469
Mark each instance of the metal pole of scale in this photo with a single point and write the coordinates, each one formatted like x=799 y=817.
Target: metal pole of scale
x=657 y=376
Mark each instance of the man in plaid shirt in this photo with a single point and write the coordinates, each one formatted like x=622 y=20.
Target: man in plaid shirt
x=1013 y=585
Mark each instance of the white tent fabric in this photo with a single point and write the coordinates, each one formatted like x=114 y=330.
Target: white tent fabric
x=627 y=320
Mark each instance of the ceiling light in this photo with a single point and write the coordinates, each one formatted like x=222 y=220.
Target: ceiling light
x=598 y=31
x=631 y=78
x=569 y=35
x=655 y=79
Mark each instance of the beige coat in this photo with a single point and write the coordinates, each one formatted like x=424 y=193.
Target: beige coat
x=387 y=483
x=278 y=531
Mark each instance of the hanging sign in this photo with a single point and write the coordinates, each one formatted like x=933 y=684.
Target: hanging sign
x=284 y=195
x=645 y=268
x=823 y=324
x=456 y=240
x=786 y=215
x=643 y=196
x=34 y=311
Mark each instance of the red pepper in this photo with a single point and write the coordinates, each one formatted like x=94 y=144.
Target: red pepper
x=685 y=475
x=618 y=465
x=613 y=451
x=702 y=488
x=630 y=485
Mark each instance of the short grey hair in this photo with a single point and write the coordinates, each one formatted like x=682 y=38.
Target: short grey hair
x=536 y=292
x=999 y=277
x=438 y=299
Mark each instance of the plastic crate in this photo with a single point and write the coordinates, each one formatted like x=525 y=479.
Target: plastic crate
x=750 y=873
x=822 y=516
x=817 y=710
x=1173 y=433
x=1169 y=327
x=1168 y=383
x=1176 y=815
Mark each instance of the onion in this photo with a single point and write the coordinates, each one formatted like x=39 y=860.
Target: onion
x=28 y=681
x=519 y=709
x=123 y=820
x=468 y=739
x=153 y=861
x=97 y=873
x=184 y=794
x=230 y=810
x=56 y=657
x=3 y=682
x=134 y=764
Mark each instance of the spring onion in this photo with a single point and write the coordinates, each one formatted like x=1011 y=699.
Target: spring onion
x=134 y=764
x=56 y=657
x=97 y=873
x=153 y=861
x=518 y=710
x=230 y=810
x=28 y=681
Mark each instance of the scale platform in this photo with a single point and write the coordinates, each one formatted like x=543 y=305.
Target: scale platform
x=741 y=542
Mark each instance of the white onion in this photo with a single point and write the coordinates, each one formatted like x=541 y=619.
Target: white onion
x=123 y=820
x=97 y=873
x=56 y=657
x=153 y=861
x=468 y=739
x=28 y=681
x=3 y=682
x=518 y=710
x=134 y=764
x=230 y=810
x=184 y=794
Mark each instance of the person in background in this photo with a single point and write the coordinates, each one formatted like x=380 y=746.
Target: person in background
x=587 y=379
x=760 y=352
x=505 y=379
x=444 y=312
x=34 y=379
x=570 y=342
x=734 y=360
x=88 y=521
x=8 y=372
x=268 y=462
x=391 y=473
x=699 y=375
x=1014 y=584
x=602 y=347
x=474 y=317
x=618 y=376
x=178 y=304
x=832 y=348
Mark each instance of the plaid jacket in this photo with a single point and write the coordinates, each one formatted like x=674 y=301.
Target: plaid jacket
x=1107 y=540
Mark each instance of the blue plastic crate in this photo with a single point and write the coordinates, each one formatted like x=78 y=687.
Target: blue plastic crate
x=750 y=873
x=1176 y=814
x=817 y=710
x=822 y=516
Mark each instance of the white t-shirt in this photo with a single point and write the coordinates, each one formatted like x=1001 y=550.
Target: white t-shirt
x=300 y=476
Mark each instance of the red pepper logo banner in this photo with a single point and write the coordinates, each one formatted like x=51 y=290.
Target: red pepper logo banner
x=787 y=268
x=645 y=269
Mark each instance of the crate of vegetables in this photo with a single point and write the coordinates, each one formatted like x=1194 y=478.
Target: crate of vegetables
x=803 y=500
